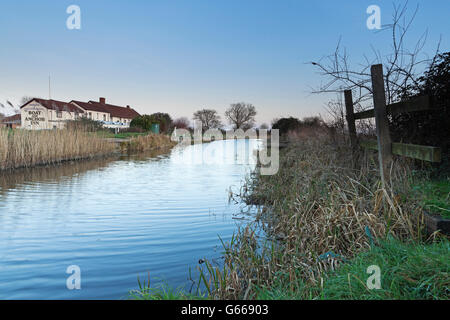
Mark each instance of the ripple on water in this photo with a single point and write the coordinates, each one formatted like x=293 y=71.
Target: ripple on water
x=116 y=219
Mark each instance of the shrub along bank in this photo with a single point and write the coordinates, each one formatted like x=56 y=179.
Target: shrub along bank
x=147 y=142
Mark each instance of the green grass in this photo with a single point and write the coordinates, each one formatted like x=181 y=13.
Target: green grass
x=408 y=271
x=126 y=135
x=435 y=196
x=123 y=135
x=318 y=203
x=161 y=292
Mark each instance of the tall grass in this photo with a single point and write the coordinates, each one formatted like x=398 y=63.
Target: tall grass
x=321 y=221
x=24 y=148
x=320 y=210
x=408 y=271
x=147 y=142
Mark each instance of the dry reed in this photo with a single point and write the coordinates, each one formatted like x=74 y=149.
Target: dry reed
x=23 y=148
x=148 y=142
x=320 y=209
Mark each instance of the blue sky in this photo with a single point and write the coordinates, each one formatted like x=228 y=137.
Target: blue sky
x=179 y=56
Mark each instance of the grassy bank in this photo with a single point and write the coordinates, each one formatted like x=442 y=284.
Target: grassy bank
x=411 y=270
x=435 y=196
x=325 y=218
x=147 y=142
x=24 y=148
x=321 y=209
x=121 y=135
x=408 y=271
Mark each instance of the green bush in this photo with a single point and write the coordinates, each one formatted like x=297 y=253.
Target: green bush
x=145 y=122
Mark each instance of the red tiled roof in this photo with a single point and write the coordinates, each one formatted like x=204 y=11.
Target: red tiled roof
x=75 y=106
x=90 y=106
x=56 y=105
x=116 y=111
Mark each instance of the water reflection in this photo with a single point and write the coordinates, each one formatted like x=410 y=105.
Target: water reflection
x=67 y=170
x=117 y=218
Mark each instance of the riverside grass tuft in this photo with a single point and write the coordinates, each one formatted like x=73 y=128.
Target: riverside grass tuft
x=322 y=218
x=409 y=270
x=28 y=148
x=320 y=210
x=147 y=142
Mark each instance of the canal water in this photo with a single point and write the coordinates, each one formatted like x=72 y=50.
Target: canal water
x=118 y=219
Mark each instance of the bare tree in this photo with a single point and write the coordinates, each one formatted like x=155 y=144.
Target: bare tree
x=402 y=66
x=181 y=123
x=241 y=115
x=209 y=118
x=335 y=109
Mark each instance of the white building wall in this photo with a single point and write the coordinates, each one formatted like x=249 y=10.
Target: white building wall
x=34 y=116
x=97 y=116
x=125 y=121
x=37 y=117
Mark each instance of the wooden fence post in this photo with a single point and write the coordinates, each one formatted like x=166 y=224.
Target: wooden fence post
x=350 y=116
x=381 y=121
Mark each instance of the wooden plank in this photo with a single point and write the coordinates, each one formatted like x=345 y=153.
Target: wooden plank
x=421 y=103
x=381 y=121
x=425 y=153
x=350 y=118
x=367 y=114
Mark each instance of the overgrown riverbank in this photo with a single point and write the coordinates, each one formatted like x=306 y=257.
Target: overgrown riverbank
x=146 y=143
x=24 y=148
x=326 y=219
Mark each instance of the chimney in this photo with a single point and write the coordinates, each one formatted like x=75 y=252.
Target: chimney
x=102 y=100
x=128 y=107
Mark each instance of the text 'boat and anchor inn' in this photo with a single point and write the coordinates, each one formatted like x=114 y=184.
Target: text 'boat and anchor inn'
x=40 y=114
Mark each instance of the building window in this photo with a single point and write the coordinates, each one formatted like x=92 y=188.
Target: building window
x=59 y=114
x=90 y=115
x=104 y=117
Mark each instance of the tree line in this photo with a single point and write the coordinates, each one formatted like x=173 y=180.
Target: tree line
x=240 y=115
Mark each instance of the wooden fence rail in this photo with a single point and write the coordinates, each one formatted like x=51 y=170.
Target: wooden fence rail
x=421 y=103
x=385 y=147
x=425 y=153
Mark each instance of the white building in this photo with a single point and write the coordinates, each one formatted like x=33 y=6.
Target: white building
x=110 y=115
x=38 y=114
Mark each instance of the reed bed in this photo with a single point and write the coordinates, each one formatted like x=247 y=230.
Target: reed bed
x=24 y=148
x=146 y=143
x=320 y=210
